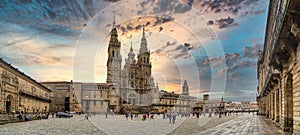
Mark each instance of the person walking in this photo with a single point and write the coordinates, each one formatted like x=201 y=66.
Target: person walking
x=87 y=116
x=131 y=116
x=174 y=118
x=151 y=116
x=126 y=116
x=170 y=117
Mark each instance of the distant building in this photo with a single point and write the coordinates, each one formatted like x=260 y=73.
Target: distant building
x=245 y=105
x=64 y=97
x=231 y=107
x=210 y=105
x=19 y=92
x=253 y=107
x=170 y=101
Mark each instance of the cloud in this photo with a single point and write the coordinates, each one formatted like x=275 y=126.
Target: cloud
x=251 y=52
x=258 y=12
x=225 y=22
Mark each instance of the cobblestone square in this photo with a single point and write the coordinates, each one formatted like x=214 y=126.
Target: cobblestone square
x=242 y=124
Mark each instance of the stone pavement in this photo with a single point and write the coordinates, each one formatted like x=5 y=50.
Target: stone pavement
x=246 y=124
x=117 y=125
x=77 y=125
x=195 y=125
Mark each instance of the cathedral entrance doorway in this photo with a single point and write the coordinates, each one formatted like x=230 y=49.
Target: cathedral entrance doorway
x=8 y=106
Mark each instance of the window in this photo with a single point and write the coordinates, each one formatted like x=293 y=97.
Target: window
x=132 y=85
x=94 y=102
x=101 y=102
x=33 y=89
x=95 y=94
x=113 y=53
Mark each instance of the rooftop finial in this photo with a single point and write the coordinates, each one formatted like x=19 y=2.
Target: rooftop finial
x=114 y=22
x=131 y=50
x=143 y=31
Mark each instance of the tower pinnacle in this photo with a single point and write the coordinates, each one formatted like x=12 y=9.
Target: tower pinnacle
x=114 y=22
x=143 y=48
x=143 y=31
x=131 y=50
x=185 y=88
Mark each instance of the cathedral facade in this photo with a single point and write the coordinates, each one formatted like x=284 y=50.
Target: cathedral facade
x=134 y=82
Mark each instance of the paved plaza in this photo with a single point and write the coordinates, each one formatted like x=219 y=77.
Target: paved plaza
x=246 y=124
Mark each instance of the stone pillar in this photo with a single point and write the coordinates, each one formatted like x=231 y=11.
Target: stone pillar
x=277 y=105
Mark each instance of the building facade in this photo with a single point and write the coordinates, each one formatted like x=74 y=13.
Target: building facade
x=134 y=83
x=170 y=101
x=64 y=97
x=21 y=93
x=278 y=66
x=207 y=105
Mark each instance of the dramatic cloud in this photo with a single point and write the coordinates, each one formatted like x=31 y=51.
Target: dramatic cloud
x=226 y=22
x=251 y=52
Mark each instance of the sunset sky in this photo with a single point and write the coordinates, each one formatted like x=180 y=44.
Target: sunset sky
x=212 y=44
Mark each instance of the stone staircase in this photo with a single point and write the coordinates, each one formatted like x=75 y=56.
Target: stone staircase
x=5 y=118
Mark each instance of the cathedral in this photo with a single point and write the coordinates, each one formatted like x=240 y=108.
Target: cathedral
x=134 y=83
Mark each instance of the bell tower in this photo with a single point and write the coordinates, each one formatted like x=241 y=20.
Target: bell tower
x=114 y=61
x=145 y=64
x=185 y=88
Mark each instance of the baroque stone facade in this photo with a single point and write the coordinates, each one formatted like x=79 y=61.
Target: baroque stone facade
x=64 y=97
x=278 y=66
x=19 y=92
x=170 y=101
x=134 y=83
x=207 y=105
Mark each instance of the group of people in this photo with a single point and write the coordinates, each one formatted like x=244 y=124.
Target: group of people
x=171 y=116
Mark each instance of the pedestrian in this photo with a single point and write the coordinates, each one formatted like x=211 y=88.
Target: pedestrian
x=174 y=118
x=52 y=114
x=164 y=115
x=131 y=116
x=144 y=117
x=152 y=116
x=126 y=115
x=170 y=117
x=87 y=116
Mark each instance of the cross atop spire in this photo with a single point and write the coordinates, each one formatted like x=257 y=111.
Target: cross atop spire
x=114 y=22
x=143 y=31
x=131 y=50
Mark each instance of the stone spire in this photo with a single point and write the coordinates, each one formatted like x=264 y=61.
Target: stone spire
x=131 y=55
x=185 y=88
x=131 y=50
x=143 y=48
x=114 y=60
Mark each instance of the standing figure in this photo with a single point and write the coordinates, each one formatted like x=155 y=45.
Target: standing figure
x=151 y=116
x=174 y=118
x=126 y=116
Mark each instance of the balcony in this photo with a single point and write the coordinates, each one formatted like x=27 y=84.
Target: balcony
x=271 y=80
x=36 y=96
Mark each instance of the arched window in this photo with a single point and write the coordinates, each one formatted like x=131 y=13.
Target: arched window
x=147 y=60
x=132 y=85
x=113 y=53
